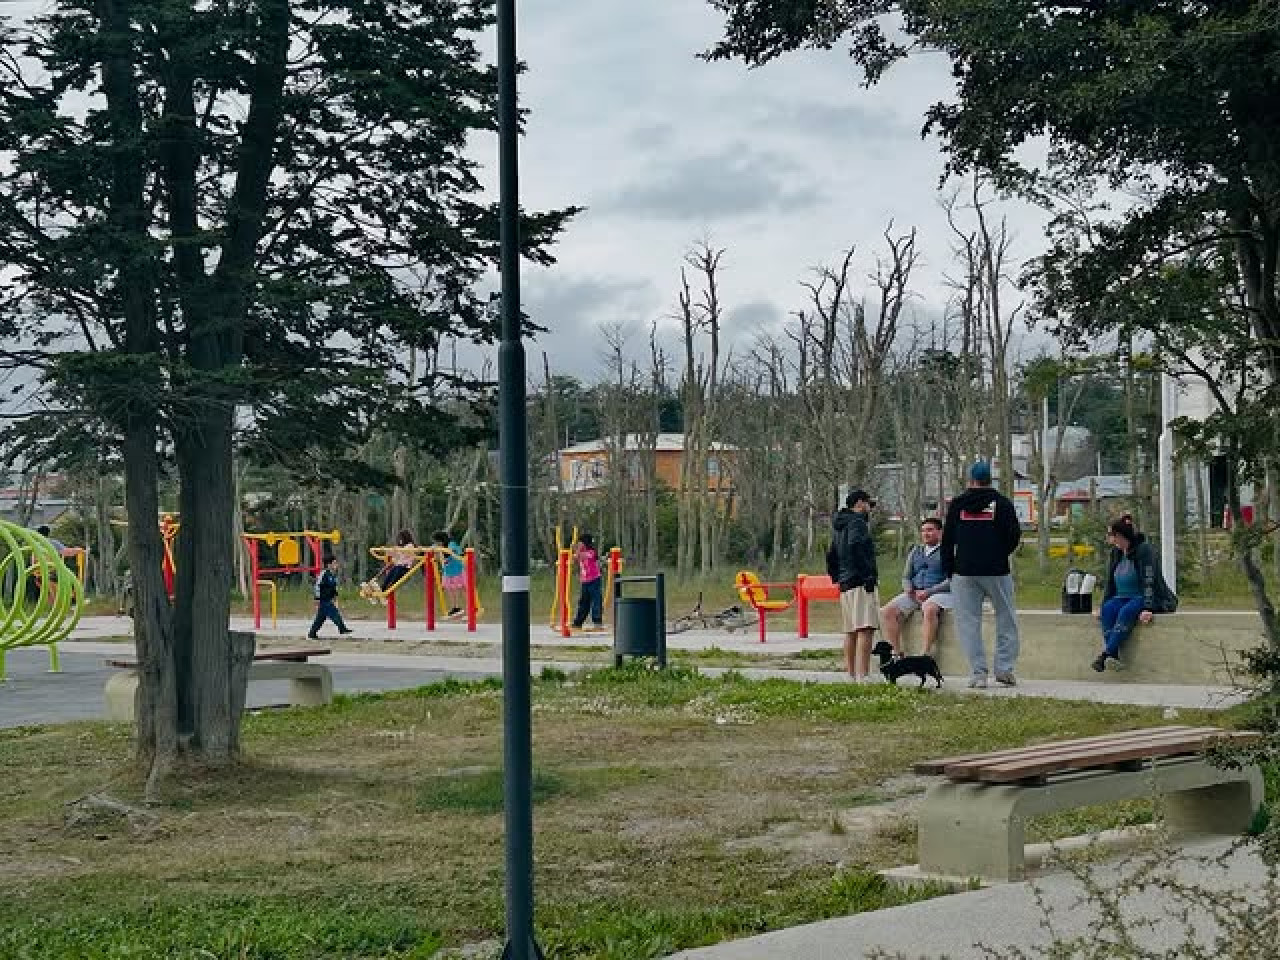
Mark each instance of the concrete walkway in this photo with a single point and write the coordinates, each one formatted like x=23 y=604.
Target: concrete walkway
x=33 y=696
x=294 y=630
x=1008 y=915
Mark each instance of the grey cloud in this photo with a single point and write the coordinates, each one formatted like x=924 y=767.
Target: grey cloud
x=735 y=181
x=829 y=122
x=576 y=310
x=750 y=319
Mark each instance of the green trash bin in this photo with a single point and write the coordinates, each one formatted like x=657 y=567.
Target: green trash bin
x=639 y=622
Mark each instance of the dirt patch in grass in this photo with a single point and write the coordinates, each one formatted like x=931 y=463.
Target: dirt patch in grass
x=673 y=810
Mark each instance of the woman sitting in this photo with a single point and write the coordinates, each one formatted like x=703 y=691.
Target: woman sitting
x=1135 y=591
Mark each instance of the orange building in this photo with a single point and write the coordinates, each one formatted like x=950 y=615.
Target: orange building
x=587 y=466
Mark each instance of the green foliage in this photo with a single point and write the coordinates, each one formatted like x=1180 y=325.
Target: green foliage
x=619 y=930
x=479 y=792
x=218 y=928
x=334 y=241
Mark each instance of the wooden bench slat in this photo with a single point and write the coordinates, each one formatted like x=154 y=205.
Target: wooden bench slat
x=286 y=655
x=939 y=766
x=1049 y=751
x=1012 y=772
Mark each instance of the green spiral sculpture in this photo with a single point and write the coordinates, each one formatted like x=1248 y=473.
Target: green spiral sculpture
x=41 y=599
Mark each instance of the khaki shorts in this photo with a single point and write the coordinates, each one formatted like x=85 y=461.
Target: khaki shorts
x=860 y=610
x=907 y=605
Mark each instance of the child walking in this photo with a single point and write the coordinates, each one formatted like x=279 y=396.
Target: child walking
x=326 y=594
x=591 y=597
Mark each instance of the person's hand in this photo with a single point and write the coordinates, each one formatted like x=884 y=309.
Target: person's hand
x=1146 y=616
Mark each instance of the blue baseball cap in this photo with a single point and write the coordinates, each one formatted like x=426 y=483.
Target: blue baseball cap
x=980 y=472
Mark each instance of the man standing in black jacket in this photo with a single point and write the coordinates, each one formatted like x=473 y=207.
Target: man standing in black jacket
x=981 y=531
x=851 y=564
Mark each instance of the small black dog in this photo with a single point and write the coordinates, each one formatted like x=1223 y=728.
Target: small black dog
x=922 y=666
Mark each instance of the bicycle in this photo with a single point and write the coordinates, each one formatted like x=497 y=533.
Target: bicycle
x=732 y=619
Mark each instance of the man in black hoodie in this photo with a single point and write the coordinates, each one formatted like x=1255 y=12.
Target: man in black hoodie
x=851 y=564
x=981 y=531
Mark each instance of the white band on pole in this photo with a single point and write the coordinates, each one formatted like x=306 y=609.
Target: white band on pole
x=515 y=584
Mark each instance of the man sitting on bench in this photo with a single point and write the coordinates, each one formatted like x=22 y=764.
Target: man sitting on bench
x=924 y=587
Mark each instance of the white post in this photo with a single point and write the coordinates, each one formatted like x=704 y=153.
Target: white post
x=1168 y=516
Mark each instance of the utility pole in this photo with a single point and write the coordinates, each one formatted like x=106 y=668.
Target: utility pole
x=513 y=442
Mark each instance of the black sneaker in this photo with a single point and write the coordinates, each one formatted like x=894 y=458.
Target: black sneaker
x=312 y=636
x=1099 y=663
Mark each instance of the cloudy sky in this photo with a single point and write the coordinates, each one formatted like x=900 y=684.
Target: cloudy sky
x=784 y=167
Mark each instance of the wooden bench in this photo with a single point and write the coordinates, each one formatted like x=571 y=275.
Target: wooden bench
x=310 y=684
x=972 y=824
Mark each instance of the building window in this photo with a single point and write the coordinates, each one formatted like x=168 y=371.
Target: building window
x=713 y=466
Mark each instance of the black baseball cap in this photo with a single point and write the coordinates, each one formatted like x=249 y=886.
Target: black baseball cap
x=856 y=495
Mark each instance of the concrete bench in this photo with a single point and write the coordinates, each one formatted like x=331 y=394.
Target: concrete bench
x=973 y=823
x=310 y=684
x=1193 y=646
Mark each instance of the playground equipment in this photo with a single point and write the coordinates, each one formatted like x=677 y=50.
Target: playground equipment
x=46 y=599
x=430 y=561
x=169 y=527
x=562 y=599
x=290 y=557
x=755 y=594
x=810 y=588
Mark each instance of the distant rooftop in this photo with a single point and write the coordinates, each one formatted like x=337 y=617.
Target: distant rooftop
x=671 y=442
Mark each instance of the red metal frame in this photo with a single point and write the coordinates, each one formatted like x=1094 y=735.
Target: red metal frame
x=314 y=550
x=811 y=587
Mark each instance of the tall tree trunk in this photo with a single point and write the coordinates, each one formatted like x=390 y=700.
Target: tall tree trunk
x=105 y=537
x=157 y=713
x=1202 y=523
x=205 y=576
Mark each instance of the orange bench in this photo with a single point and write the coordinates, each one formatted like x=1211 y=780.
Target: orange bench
x=811 y=587
x=755 y=594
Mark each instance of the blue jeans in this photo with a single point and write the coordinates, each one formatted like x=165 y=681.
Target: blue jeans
x=1118 y=617
x=327 y=610
x=969 y=593
x=591 y=599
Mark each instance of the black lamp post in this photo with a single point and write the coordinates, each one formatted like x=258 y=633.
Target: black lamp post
x=514 y=476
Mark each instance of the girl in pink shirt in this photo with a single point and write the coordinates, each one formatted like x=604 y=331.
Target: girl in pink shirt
x=591 y=597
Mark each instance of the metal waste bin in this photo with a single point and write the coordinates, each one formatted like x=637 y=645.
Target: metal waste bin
x=639 y=622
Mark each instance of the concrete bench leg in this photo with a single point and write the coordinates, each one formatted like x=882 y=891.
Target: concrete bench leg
x=120 y=696
x=1220 y=809
x=969 y=830
x=311 y=691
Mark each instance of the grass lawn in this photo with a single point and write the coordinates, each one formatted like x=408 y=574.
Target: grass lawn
x=673 y=810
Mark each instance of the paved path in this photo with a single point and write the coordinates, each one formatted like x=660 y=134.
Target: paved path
x=1002 y=916
x=33 y=696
